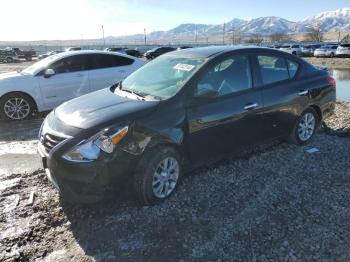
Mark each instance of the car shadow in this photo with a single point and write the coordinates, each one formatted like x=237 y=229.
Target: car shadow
x=120 y=229
x=22 y=130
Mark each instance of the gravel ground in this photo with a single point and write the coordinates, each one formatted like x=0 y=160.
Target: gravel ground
x=277 y=203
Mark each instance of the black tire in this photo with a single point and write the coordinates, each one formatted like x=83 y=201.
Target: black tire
x=25 y=97
x=145 y=170
x=9 y=60
x=294 y=53
x=28 y=58
x=332 y=55
x=294 y=137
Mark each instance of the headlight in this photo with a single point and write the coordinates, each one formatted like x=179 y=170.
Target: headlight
x=89 y=150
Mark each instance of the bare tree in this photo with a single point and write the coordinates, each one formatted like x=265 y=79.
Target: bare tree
x=256 y=39
x=279 y=37
x=314 y=33
x=236 y=36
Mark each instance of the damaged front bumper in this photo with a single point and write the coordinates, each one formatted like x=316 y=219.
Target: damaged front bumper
x=86 y=182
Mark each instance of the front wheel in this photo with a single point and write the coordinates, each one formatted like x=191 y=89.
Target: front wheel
x=157 y=175
x=16 y=106
x=305 y=127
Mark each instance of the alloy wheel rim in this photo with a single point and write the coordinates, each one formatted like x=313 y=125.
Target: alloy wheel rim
x=165 y=177
x=306 y=127
x=16 y=108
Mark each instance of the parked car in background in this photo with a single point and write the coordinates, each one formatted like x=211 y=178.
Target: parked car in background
x=73 y=49
x=133 y=52
x=326 y=51
x=61 y=77
x=307 y=50
x=116 y=49
x=123 y=50
x=40 y=57
x=343 y=50
x=8 y=56
x=26 y=54
x=155 y=52
x=177 y=112
x=292 y=49
x=183 y=47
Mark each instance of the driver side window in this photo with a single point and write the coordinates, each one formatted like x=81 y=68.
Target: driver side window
x=230 y=75
x=70 y=64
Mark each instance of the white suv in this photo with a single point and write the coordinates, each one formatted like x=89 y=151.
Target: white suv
x=61 y=77
x=343 y=50
x=292 y=49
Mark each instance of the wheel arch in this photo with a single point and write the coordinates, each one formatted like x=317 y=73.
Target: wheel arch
x=22 y=93
x=318 y=111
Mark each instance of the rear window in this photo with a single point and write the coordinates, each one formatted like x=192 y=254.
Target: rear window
x=345 y=45
x=295 y=46
x=292 y=68
x=99 y=61
x=275 y=69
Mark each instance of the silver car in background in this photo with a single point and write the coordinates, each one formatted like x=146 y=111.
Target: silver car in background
x=326 y=51
x=343 y=50
x=291 y=49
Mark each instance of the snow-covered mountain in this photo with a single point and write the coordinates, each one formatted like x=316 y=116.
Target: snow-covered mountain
x=338 y=20
x=267 y=25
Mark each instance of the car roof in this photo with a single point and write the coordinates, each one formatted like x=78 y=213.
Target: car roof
x=84 y=52
x=210 y=51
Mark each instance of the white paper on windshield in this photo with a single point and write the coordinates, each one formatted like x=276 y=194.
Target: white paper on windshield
x=184 y=67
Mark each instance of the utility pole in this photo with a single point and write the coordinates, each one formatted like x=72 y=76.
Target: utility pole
x=103 y=37
x=223 y=34
x=144 y=31
x=196 y=35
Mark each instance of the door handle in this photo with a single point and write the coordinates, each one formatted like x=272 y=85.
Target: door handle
x=251 y=106
x=303 y=92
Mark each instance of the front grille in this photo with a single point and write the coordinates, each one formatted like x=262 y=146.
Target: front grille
x=49 y=141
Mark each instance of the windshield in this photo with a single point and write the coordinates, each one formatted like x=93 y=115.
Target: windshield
x=37 y=67
x=162 y=77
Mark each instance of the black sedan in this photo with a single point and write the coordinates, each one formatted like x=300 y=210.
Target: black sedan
x=177 y=112
x=155 y=52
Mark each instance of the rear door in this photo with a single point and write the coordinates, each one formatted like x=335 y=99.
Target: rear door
x=231 y=120
x=284 y=95
x=108 y=69
x=71 y=80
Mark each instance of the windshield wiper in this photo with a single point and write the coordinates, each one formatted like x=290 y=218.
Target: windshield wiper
x=136 y=93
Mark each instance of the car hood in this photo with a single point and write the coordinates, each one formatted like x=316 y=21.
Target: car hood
x=10 y=75
x=101 y=108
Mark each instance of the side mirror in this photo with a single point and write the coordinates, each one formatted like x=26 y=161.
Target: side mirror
x=206 y=93
x=49 y=72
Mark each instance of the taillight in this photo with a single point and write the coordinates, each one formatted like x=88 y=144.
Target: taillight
x=331 y=81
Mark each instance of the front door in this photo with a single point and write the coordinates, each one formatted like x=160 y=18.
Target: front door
x=71 y=80
x=231 y=120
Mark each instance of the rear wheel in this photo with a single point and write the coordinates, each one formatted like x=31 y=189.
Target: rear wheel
x=16 y=106
x=305 y=127
x=332 y=55
x=9 y=60
x=157 y=175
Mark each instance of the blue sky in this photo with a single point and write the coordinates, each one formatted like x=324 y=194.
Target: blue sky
x=75 y=19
